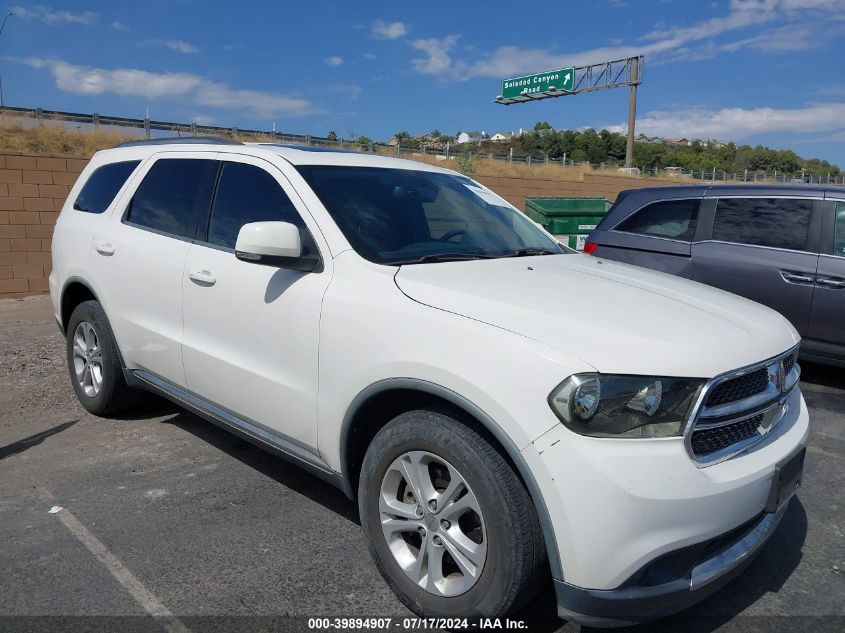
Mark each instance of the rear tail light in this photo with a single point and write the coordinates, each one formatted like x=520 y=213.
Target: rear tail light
x=589 y=247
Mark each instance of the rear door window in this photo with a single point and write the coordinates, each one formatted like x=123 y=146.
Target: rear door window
x=839 y=231
x=674 y=219
x=102 y=186
x=773 y=222
x=174 y=194
x=246 y=193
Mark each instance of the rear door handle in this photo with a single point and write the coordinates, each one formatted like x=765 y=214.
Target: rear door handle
x=104 y=248
x=797 y=278
x=203 y=276
x=831 y=282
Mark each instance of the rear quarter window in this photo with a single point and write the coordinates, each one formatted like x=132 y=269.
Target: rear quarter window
x=773 y=222
x=673 y=219
x=102 y=186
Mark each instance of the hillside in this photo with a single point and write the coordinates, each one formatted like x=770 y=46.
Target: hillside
x=609 y=147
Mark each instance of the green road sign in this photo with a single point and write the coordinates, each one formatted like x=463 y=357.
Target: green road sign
x=563 y=79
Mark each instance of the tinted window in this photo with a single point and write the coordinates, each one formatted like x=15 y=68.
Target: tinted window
x=246 y=193
x=173 y=195
x=839 y=231
x=671 y=218
x=774 y=222
x=394 y=216
x=102 y=186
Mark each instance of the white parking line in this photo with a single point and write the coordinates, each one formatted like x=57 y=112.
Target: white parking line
x=121 y=573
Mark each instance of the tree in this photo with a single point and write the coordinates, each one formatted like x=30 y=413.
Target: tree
x=542 y=125
x=332 y=135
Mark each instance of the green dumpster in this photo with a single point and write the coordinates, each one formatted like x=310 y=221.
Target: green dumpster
x=571 y=220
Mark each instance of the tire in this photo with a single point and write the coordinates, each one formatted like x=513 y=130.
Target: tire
x=503 y=544
x=96 y=371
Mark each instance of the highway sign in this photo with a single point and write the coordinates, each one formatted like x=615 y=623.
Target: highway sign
x=554 y=80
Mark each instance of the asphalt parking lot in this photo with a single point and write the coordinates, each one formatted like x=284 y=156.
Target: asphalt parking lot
x=164 y=513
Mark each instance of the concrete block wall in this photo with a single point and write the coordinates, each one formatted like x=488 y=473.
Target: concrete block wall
x=33 y=189
x=515 y=190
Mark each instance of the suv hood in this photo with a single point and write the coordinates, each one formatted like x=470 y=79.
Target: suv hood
x=615 y=317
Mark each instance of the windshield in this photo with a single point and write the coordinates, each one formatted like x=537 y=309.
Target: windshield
x=406 y=216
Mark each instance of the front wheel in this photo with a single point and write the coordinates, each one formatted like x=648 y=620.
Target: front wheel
x=449 y=524
x=96 y=372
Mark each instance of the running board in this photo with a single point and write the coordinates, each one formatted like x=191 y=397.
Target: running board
x=250 y=431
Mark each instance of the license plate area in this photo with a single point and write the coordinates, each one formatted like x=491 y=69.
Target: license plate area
x=786 y=480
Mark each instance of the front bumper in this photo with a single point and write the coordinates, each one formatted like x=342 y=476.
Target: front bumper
x=639 y=602
x=619 y=506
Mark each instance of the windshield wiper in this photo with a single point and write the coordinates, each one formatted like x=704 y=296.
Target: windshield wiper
x=529 y=252
x=440 y=257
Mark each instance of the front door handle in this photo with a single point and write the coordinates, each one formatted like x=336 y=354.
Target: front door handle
x=104 y=248
x=797 y=278
x=831 y=282
x=203 y=277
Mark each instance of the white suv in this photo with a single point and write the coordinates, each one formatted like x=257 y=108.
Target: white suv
x=503 y=409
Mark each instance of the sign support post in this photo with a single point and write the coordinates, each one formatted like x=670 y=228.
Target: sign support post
x=632 y=112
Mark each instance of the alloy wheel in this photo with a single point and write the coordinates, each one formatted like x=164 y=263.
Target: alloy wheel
x=87 y=359
x=432 y=523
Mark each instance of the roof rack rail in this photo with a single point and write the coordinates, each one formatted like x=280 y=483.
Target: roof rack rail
x=179 y=140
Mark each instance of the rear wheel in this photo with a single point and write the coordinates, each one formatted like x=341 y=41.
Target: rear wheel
x=450 y=525
x=96 y=372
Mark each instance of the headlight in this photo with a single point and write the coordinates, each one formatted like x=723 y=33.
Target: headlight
x=602 y=405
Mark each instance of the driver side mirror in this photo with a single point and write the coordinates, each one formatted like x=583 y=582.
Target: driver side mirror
x=276 y=244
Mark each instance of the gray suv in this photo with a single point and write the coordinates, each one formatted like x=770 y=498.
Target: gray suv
x=783 y=246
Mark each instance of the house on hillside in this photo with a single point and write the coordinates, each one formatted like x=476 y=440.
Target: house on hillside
x=681 y=142
x=653 y=140
x=471 y=137
x=501 y=137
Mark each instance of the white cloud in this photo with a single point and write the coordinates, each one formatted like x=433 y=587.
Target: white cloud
x=369 y=55
x=196 y=89
x=388 y=30
x=118 y=26
x=437 y=60
x=334 y=60
x=51 y=16
x=738 y=123
x=799 y=29
x=182 y=46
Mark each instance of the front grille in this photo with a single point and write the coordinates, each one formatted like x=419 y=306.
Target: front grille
x=739 y=388
x=706 y=441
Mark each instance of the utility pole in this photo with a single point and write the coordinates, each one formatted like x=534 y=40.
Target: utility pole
x=632 y=112
x=2 y=26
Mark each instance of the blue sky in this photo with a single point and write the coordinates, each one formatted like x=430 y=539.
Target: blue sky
x=751 y=71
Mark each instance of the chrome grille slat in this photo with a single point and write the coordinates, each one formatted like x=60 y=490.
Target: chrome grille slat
x=738 y=409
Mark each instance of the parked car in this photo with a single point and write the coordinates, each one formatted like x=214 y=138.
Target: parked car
x=503 y=410
x=783 y=246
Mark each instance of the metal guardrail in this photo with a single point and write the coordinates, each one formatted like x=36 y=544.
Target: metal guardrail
x=464 y=154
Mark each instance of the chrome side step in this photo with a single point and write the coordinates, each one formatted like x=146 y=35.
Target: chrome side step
x=250 y=431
